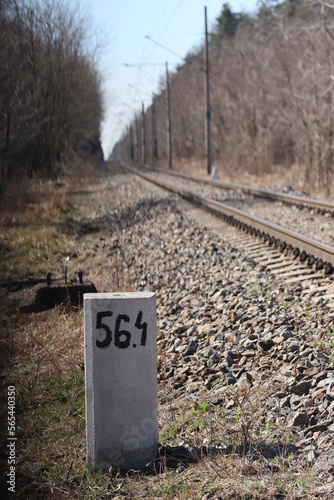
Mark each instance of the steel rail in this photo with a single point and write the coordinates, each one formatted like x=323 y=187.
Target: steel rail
x=326 y=206
x=310 y=246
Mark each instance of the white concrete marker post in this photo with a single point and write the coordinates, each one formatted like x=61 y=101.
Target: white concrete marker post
x=215 y=173
x=121 y=380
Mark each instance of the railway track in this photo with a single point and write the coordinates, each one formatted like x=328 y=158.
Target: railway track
x=322 y=207
x=289 y=255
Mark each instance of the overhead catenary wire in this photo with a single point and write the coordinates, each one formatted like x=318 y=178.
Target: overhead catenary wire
x=171 y=18
x=163 y=47
x=164 y=24
x=162 y=17
x=174 y=53
x=144 y=62
x=137 y=65
x=203 y=70
x=189 y=62
x=168 y=22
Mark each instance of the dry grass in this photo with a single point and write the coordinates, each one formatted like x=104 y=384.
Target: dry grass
x=49 y=344
x=42 y=245
x=27 y=200
x=278 y=176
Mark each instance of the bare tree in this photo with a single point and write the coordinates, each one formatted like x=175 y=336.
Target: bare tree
x=50 y=93
x=272 y=90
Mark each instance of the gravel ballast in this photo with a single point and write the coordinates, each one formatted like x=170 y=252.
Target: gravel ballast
x=228 y=333
x=295 y=217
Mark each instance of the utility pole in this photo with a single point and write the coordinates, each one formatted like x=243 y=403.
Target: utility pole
x=137 y=141
x=143 y=135
x=125 y=150
x=208 y=112
x=131 y=144
x=169 y=128
x=128 y=145
x=154 y=132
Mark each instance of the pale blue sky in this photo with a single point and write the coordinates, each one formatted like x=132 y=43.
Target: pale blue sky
x=122 y=27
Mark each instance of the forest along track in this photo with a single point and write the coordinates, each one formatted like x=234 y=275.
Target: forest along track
x=291 y=256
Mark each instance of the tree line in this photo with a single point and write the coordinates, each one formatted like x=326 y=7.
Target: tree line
x=50 y=90
x=272 y=95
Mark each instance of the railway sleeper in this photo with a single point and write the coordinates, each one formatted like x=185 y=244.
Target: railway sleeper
x=328 y=268
x=315 y=210
x=303 y=256
x=282 y=246
x=286 y=249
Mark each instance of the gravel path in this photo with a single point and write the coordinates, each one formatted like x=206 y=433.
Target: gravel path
x=229 y=335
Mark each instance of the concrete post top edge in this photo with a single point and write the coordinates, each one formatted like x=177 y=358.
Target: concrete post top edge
x=119 y=295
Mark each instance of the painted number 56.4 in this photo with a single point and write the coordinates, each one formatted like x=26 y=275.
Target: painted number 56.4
x=122 y=338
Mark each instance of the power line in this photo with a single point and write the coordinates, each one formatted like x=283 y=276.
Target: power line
x=139 y=65
x=174 y=53
x=174 y=35
x=162 y=16
x=168 y=22
x=171 y=19
x=163 y=47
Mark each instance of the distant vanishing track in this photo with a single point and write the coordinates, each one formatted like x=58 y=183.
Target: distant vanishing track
x=315 y=253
